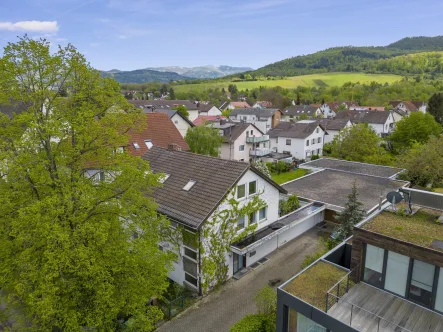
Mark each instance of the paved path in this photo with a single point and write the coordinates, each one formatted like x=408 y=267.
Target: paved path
x=220 y=310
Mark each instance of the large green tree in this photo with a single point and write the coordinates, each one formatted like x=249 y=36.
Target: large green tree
x=359 y=143
x=69 y=257
x=435 y=107
x=424 y=163
x=204 y=140
x=417 y=127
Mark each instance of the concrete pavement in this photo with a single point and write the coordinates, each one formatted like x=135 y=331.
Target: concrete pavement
x=221 y=309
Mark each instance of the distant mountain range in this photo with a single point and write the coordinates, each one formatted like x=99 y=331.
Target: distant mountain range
x=172 y=73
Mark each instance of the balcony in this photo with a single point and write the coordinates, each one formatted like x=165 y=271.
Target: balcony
x=259 y=152
x=260 y=139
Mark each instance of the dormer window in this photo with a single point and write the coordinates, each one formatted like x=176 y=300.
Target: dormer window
x=136 y=146
x=189 y=185
x=148 y=143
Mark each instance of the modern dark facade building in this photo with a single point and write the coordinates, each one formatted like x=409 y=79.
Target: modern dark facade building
x=387 y=277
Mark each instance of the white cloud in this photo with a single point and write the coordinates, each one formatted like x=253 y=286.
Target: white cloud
x=34 y=26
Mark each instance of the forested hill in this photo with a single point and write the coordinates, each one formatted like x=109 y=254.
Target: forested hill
x=143 y=76
x=350 y=59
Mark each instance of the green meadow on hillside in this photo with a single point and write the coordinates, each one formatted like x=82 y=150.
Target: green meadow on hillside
x=315 y=80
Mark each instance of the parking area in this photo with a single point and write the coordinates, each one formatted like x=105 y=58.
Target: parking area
x=223 y=308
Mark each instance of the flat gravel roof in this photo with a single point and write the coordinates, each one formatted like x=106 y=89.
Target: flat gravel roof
x=333 y=187
x=353 y=167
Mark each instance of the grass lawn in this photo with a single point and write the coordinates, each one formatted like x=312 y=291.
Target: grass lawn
x=438 y=190
x=313 y=284
x=420 y=228
x=288 y=176
x=315 y=80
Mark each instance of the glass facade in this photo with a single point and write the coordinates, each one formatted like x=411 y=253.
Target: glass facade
x=373 y=272
x=397 y=273
x=409 y=278
x=300 y=323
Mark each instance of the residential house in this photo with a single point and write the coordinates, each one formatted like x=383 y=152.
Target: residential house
x=382 y=122
x=202 y=119
x=407 y=107
x=263 y=119
x=294 y=113
x=196 y=189
x=302 y=139
x=242 y=141
x=333 y=127
x=160 y=132
x=181 y=122
x=207 y=109
x=388 y=276
x=330 y=109
x=230 y=105
x=262 y=104
x=193 y=108
x=367 y=108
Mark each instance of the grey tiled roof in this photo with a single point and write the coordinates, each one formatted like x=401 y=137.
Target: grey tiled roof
x=166 y=104
x=333 y=124
x=299 y=110
x=214 y=177
x=354 y=167
x=12 y=108
x=260 y=112
x=293 y=130
x=379 y=117
x=333 y=187
x=234 y=131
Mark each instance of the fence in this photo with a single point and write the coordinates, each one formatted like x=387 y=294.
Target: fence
x=171 y=308
x=341 y=288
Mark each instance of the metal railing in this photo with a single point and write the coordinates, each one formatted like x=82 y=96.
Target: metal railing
x=259 y=152
x=254 y=139
x=383 y=324
x=336 y=292
x=171 y=308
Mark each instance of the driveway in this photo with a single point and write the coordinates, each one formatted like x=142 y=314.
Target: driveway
x=222 y=309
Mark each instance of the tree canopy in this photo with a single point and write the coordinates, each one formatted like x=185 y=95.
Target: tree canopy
x=69 y=257
x=183 y=110
x=417 y=127
x=204 y=140
x=435 y=107
x=350 y=216
x=424 y=163
x=359 y=143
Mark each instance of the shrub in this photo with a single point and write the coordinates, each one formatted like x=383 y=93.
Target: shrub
x=315 y=157
x=254 y=323
x=282 y=166
x=266 y=301
x=289 y=205
x=271 y=166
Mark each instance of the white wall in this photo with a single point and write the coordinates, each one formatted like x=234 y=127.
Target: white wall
x=180 y=124
x=232 y=151
x=264 y=124
x=298 y=147
x=193 y=114
x=214 y=111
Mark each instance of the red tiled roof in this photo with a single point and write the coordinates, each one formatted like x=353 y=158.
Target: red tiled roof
x=203 y=118
x=240 y=104
x=160 y=131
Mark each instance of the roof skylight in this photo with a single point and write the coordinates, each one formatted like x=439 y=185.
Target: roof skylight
x=189 y=185
x=136 y=146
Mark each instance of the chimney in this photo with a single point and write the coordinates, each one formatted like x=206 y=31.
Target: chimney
x=173 y=147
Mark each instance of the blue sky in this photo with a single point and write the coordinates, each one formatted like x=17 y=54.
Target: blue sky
x=134 y=34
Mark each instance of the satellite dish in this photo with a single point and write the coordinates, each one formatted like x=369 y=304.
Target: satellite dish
x=394 y=197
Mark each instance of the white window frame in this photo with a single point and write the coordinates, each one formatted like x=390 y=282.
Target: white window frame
x=244 y=184
x=241 y=147
x=290 y=142
x=254 y=193
x=266 y=214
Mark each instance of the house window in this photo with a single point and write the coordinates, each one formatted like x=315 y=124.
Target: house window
x=163 y=178
x=374 y=265
x=262 y=213
x=99 y=176
x=422 y=281
x=252 y=132
x=319 y=140
x=276 y=140
x=148 y=143
x=241 y=222
x=252 y=218
x=241 y=191
x=313 y=141
x=241 y=148
x=190 y=253
x=120 y=149
x=307 y=142
x=439 y=295
x=396 y=273
x=136 y=146
x=252 y=187
x=191 y=279
x=318 y=130
x=190 y=267
x=288 y=142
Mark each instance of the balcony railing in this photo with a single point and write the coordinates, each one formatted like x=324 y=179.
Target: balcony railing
x=259 y=152
x=253 y=139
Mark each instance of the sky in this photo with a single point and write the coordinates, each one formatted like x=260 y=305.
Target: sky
x=135 y=34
